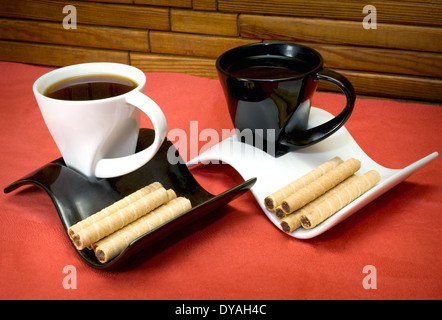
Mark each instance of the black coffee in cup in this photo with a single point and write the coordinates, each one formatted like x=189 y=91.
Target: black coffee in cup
x=268 y=88
x=90 y=87
x=268 y=67
x=97 y=137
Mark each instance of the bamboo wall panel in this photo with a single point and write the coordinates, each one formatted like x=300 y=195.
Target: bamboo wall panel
x=119 y=15
x=380 y=59
x=205 y=5
x=401 y=58
x=86 y=35
x=387 y=11
x=57 y=55
x=389 y=85
x=203 y=22
x=193 y=45
x=341 y=32
x=203 y=67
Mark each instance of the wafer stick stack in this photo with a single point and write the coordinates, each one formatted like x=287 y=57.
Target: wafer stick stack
x=320 y=193
x=120 y=218
x=293 y=221
x=339 y=199
x=112 y=229
x=112 y=245
x=113 y=208
x=320 y=186
x=273 y=201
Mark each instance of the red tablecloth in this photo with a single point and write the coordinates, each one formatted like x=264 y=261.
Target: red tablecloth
x=241 y=255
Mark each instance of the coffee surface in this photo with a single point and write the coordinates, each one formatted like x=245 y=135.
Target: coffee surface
x=268 y=68
x=90 y=87
x=258 y=72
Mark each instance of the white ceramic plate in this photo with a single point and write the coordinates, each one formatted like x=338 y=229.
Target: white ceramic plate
x=273 y=173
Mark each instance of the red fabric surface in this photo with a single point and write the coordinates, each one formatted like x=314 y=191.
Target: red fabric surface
x=241 y=255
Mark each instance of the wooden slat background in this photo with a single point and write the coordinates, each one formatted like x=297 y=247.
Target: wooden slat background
x=401 y=58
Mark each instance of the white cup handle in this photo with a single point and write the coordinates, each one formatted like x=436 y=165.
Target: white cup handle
x=108 y=168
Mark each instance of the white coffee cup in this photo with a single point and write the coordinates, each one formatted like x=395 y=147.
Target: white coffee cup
x=98 y=137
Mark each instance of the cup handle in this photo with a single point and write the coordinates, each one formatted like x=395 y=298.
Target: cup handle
x=108 y=168
x=313 y=135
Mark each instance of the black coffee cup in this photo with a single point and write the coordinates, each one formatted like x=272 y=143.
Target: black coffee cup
x=268 y=87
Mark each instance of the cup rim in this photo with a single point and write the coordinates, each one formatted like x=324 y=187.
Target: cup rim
x=270 y=46
x=102 y=65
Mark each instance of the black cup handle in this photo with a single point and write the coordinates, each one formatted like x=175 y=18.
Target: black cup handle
x=318 y=133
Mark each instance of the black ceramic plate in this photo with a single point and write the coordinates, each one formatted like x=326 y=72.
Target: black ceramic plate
x=76 y=197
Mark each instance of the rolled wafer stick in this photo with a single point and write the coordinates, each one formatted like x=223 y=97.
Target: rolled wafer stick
x=339 y=199
x=320 y=186
x=119 y=219
x=293 y=221
x=113 y=208
x=272 y=201
x=171 y=196
x=279 y=212
x=111 y=246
